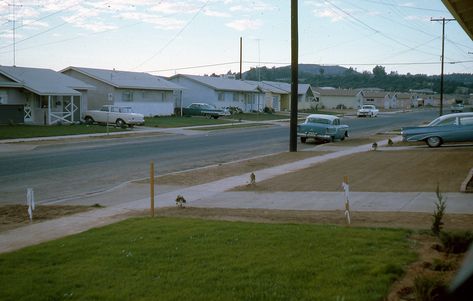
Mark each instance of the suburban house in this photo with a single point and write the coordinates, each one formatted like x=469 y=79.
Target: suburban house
x=219 y=91
x=147 y=94
x=332 y=98
x=40 y=96
x=278 y=95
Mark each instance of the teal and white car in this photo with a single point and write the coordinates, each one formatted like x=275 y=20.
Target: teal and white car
x=322 y=127
x=204 y=109
x=457 y=127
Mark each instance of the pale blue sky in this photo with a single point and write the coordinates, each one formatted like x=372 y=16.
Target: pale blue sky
x=164 y=37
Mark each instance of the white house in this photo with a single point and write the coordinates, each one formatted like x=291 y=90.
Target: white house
x=332 y=98
x=46 y=97
x=145 y=93
x=219 y=91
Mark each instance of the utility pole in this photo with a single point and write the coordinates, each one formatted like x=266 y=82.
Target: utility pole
x=241 y=58
x=14 y=6
x=294 y=76
x=443 y=59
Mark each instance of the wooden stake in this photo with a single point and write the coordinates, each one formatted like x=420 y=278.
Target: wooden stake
x=151 y=187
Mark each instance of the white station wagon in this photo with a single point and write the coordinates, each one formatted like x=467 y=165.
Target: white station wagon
x=121 y=116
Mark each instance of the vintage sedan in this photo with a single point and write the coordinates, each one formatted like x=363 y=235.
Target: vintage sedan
x=367 y=110
x=204 y=109
x=322 y=127
x=457 y=127
x=121 y=116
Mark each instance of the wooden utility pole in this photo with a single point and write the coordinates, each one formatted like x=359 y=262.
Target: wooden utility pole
x=241 y=58
x=443 y=59
x=151 y=187
x=294 y=76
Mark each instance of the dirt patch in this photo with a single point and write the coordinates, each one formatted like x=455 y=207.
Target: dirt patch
x=416 y=170
x=13 y=216
x=405 y=220
x=224 y=170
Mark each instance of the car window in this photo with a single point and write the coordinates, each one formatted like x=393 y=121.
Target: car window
x=447 y=121
x=466 y=120
x=193 y=106
x=318 y=120
x=125 y=110
x=336 y=122
x=105 y=109
x=115 y=109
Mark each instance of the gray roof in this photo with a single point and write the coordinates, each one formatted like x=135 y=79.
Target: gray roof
x=280 y=87
x=42 y=81
x=128 y=79
x=221 y=83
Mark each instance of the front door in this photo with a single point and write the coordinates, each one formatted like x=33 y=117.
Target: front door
x=28 y=110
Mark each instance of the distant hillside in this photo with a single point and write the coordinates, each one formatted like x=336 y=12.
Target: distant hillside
x=284 y=73
x=340 y=77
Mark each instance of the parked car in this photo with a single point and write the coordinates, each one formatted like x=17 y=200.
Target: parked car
x=322 y=127
x=367 y=110
x=457 y=127
x=204 y=109
x=121 y=116
x=457 y=107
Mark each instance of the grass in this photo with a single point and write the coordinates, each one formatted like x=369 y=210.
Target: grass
x=259 y=116
x=176 y=121
x=191 y=259
x=29 y=131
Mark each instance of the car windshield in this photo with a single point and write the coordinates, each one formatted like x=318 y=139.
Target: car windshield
x=208 y=106
x=368 y=107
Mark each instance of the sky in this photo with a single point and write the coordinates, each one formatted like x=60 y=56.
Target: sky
x=203 y=36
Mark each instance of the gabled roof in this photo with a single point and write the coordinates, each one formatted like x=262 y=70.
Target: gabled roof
x=220 y=83
x=42 y=81
x=338 y=92
x=127 y=79
x=375 y=94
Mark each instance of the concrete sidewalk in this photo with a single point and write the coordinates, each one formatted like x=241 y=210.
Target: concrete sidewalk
x=216 y=194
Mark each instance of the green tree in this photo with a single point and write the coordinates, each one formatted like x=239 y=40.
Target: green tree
x=379 y=71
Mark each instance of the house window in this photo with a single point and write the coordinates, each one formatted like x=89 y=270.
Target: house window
x=221 y=96
x=235 y=96
x=127 y=96
x=370 y=99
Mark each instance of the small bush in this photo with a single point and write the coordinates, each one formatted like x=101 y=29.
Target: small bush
x=456 y=242
x=429 y=288
x=268 y=110
x=439 y=211
x=341 y=107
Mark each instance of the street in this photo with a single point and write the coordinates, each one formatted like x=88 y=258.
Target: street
x=57 y=171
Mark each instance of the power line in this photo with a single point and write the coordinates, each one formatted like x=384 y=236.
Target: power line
x=288 y=63
x=175 y=37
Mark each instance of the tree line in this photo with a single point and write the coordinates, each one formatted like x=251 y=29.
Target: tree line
x=457 y=83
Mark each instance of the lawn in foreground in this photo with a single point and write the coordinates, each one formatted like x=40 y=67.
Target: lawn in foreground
x=191 y=259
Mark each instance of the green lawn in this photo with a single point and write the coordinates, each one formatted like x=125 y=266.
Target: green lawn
x=259 y=116
x=175 y=121
x=29 y=131
x=191 y=259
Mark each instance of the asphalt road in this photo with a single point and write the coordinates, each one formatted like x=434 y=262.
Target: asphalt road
x=58 y=171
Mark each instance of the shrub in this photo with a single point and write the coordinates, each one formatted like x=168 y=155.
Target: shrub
x=180 y=201
x=456 y=242
x=439 y=211
x=341 y=107
x=268 y=110
x=429 y=288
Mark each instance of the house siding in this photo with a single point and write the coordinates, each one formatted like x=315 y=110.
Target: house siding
x=146 y=102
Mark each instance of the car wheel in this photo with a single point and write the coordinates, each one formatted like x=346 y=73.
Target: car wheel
x=120 y=123
x=303 y=139
x=344 y=136
x=433 y=141
x=89 y=120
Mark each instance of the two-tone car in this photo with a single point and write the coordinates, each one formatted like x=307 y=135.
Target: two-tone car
x=322 y=127
x=457 y=127
x=119 y=115
x=204 y=109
